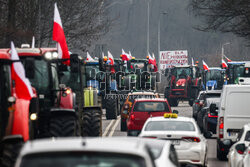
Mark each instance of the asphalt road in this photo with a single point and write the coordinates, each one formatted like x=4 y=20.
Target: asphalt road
x=112 y=128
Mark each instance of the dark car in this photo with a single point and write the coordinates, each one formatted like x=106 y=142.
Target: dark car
x=198 y=103
x=210 y=119
x=208 y=98
x=141 y=110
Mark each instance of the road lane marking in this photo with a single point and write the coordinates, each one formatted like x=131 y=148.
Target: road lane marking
x=107 y=128
x=114 y=127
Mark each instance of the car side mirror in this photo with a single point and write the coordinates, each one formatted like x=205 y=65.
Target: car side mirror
x=175 y=111
x=240 y=148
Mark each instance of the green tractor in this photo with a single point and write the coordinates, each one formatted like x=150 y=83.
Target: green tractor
x=139 y=75
x=88 y=102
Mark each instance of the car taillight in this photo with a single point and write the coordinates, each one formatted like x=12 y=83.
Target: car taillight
x=150 y=137
x=249 y=152
x=221 y=127
x=201 y=103
x=212 y=116
x=132 y=117
x=192 y=139
x=240 y=152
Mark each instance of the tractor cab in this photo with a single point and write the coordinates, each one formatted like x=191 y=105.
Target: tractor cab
x=137 y=64
x=213 y=79
x=5 y=93
x=238 y=73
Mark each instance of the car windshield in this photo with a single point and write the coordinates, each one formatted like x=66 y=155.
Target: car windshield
x=40 y=80
x=211 y=95
x=150 y=106
x=71 y=80
x=247 y=138
x=183 y=72
x=81 y=159
x=133 y=97
x=169 y=126
x=239 y=71
x=137 y=65
x=214 y=75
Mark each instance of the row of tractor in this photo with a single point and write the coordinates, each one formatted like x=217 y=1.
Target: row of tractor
x=185 y=81
x=68 y=99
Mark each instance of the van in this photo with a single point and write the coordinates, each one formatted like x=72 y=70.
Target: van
x=234 y=113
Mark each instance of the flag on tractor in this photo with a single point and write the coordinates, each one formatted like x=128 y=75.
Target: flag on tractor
x=59 y=37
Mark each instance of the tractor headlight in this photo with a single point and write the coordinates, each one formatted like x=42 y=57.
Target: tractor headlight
x=51 y=55
x=54 y=55
x=48 y=55
x=183 y=84
x=33 y=117
x=177 y=84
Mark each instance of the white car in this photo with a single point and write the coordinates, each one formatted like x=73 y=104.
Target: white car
x=236 y=154
x=190 y=144
x=246 y=160
x=84 y=152
x=163 y=152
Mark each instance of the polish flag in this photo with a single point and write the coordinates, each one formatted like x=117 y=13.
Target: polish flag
x=129 y=55
x=22 y=84
x=59 y=37
x=152 y=60
x=205 y=66
x=89 y=58
x=126 y=56
x=224 y=64
x=111 y=61
x=228 y=60
x=192 y=61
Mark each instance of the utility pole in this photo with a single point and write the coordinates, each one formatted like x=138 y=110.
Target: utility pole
x=148 y=27
x=159 y=35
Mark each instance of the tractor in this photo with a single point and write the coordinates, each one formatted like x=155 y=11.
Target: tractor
x=213 y=79
x=16 y=115
x=139 y=75
x=88 y=103
x=56 y=115
x=238 y=73
x=184 y=83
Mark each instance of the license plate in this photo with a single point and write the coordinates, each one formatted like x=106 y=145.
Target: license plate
x=176 y=142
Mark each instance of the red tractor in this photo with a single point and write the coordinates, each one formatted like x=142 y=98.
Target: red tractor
x=14 y=115
x=184 y=84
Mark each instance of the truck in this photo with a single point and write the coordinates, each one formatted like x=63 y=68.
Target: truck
x=184 y=83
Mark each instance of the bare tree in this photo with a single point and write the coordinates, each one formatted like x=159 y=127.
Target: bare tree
x=83 y=21
x=224 y=16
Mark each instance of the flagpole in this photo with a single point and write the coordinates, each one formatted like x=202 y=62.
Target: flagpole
x=222 y=49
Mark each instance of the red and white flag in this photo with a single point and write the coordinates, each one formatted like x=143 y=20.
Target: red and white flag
x=22 y=84
x=223 y=64
x=59 y=37
x=129 y=55
x=228 y=60
x=152 y=60
x=89 y=58
x=205 y=66
x=111 y=61
x=126 y=56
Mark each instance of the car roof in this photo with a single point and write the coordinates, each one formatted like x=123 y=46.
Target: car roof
x=186 y=119
x=83 y=144
x=152 y=99
x=213 y=91
x=142 y=93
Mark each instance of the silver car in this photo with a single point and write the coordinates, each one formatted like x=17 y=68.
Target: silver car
x=84 y=152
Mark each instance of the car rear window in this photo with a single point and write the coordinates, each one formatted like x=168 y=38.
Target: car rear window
x=82 y=159
x=133 y=97
x=169 y=126
x=247 y=138
x=151 y=107
x=210 y=95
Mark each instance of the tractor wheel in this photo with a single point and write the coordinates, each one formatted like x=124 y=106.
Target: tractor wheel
x=111 y=109
x=153 y=82
x=92 y=122
x=103 y=102
x=10 y=152
x=166 y=93
x=123 y=125
x=63 y=126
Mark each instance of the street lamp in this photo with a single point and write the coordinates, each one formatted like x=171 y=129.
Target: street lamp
x=159 y=34
x=148 y=27
x=222 y=49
